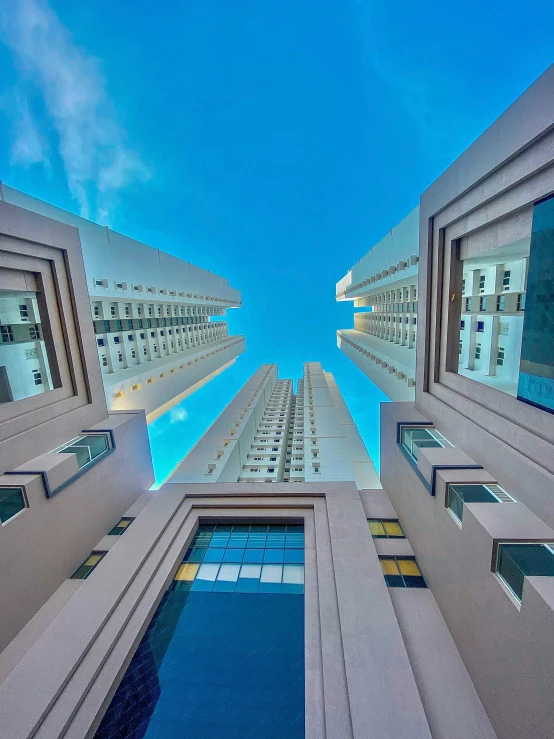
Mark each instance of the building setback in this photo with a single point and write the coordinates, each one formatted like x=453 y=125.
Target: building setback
x=158 y=320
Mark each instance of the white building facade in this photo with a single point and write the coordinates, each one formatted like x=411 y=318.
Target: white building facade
x=159 y=321
x=382 y=342
x=270 y=434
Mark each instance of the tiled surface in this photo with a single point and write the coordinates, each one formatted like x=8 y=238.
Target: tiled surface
x=536 y=380
x=217 y=665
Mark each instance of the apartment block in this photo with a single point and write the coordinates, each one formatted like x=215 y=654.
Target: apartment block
x=268 y=433
x=158 y=320
x=383 y=340
x=469 y=466
x=236 y=601
x=69 y=468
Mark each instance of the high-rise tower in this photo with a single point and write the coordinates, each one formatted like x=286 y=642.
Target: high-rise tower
x=158 y=320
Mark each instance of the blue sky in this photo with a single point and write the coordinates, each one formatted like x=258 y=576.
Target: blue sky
x=271 y=141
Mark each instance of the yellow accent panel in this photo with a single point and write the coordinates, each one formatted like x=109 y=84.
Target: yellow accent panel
x=187 y=571
x=389 y=567
x=409 y=567
x=376 y=528
x=393 y=528
x=123 y=524
x=93 y=559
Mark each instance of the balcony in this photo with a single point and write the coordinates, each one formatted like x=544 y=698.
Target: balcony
x=457 y=495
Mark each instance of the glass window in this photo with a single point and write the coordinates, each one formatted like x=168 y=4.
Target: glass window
x=87 y=448
x=88 y=565
x=12 y=502
x=515 y=561
x=402 y=572
x=121 y=526
x=245 y=558
x=458 y=494
x=24 y=353
x=413 y=438
x=385 y=528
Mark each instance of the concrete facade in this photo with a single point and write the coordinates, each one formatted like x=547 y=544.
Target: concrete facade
x=65 y=502
x=480 y=224
x=158 y=320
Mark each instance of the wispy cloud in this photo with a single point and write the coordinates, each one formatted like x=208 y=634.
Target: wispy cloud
x=91 y=143
x=177 y=414
x=28 y=146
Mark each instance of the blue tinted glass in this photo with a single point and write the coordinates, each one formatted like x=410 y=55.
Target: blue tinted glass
x=233 y=555
x=253 y=555
x=275 y=539
x=274 y=555
x=195 y=555
x=294 y=555
x=214 y=555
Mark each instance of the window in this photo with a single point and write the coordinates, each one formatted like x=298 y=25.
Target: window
x=481 y=283
x=482 y=303
x=6 y=334
x=477 y=351
x=500 y=356
x=414 y=438
x=116 y=340
x=119 y=357
x=88 y=565
x=402 y=572
x=12 y=503
x=100 y=342
x=480 y=327
x=506 y=279
x=271 y=469
x=130 y=337
x=37 y=377
x=24 y=312
x=385 y=528
x=460 y=349
x=458 y=494
x=515 y=561
x=521 y=301
x=112 y=311
x=87 y=448
x=468 y=304
x=121 y=526
x=500 y=300
x=104 y=360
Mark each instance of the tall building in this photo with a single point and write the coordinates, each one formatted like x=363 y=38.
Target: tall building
x=235 y=602
x=270 y=434
x=469 y=467
x=159 y=321
x=383 y=340
x=69 y=468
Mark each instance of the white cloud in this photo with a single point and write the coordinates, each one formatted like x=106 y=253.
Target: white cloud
x=28 y=145
x=69 y=80
x=177 y=414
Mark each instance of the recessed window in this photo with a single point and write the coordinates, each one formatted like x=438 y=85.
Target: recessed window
x=477 y=351
x=500 y=356
x=414 y=438
x=87 y=448
x=480 y=327
x=521 y=301
x=385 y=528
x=460 y=493
x=468 y=304
x=506 y=279
x=12 y=503
x=121 y=526
x=516 y=561
x=482 y=283
x=482 y=303
x=500 y=302
x=402 y=572
x=88 y=565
